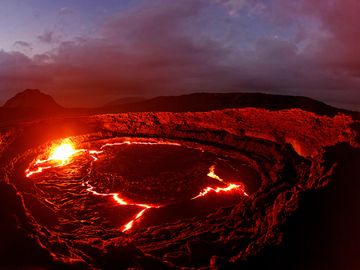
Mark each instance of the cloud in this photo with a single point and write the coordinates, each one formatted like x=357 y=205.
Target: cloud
x=16 y=67
x=18 y=72
x=22 y=44
x=157 y=49
x=144 y=51
x=64 y=11
x=251 y=7
x=234 y=6
x=48 y=37
x=341 y=49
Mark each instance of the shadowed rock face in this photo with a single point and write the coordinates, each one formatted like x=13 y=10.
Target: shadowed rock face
x=293 y=153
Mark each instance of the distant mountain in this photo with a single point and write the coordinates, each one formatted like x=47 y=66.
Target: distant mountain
x=33 y=99
x=217 y=101
x=28 y=105
x=125 y=100
x=33 y=104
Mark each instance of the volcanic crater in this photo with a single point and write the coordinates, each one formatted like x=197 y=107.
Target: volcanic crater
x=137 y=174
x=163 y=190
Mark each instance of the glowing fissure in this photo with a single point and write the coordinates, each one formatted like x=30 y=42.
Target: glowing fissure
x=62 y=154
x=229 y=186
x=121 y=201
x=141 y=143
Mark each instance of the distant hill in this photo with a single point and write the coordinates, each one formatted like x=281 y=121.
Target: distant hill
x=217 y=101
x=28 y=105
x=32 y=99
x=125 y=100
x=33 y=104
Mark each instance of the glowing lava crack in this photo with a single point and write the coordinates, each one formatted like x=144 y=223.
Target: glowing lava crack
x=121 y=201
x=63 y=154
x=230 y=186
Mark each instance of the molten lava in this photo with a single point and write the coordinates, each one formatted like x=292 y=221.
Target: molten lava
x=63 y=153
x=122 y=201
x=59 y=156
x=212 y=174
x=229 y=186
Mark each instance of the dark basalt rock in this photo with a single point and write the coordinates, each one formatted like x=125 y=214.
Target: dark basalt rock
x=20 y=243
x=307 y=164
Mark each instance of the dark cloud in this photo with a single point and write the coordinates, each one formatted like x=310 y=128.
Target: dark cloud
x=22 y=44
x=235 y=6
x=341 y=49
x=48 y=37
x=334 y=52
x=310 y=48
x=18 y=72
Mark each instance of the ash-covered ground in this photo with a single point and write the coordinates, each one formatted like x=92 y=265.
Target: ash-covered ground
x=130 y=198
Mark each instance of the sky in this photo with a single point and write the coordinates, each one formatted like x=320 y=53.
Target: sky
x=90 y=52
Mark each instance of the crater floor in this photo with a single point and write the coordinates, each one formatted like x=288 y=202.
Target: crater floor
x=119 y=184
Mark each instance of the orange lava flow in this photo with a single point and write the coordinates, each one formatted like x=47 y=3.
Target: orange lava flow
x=230 y=186
x=62 y=154
x=121 y=201
x=142 y=143
x=129 y=225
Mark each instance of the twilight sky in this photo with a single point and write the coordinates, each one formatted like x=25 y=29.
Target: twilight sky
x=89 y=52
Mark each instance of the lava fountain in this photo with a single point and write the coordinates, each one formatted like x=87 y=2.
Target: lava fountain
x=63 y=152
x=59 y=156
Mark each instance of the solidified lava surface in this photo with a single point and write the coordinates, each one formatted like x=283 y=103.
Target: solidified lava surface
x=161 y=190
